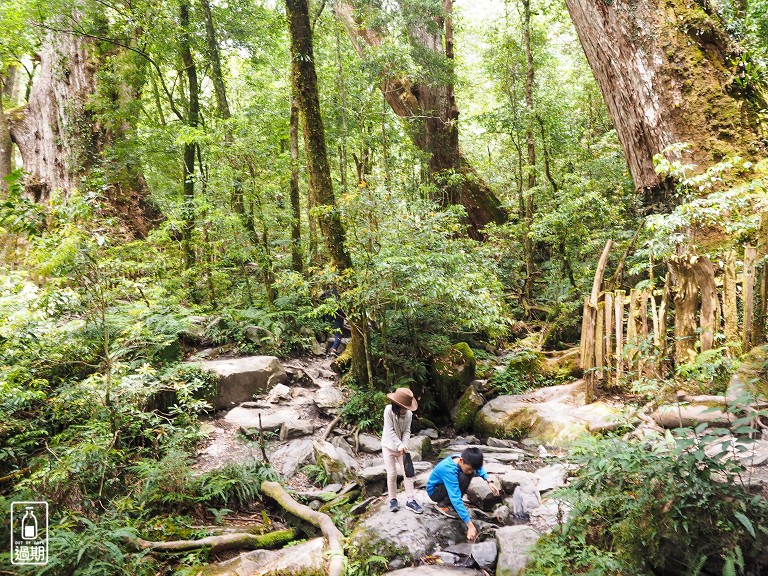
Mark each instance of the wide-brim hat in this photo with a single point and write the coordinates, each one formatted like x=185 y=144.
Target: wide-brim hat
x=404 y=397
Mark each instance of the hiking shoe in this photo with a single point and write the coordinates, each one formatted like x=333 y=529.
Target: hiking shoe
x=413 y=506
x=334 y=353
x=446 y=510
x=393 y=505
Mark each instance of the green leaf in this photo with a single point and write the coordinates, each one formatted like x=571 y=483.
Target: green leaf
x=746 y=522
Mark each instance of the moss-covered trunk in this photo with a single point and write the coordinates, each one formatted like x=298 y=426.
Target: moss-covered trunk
x=669 y=73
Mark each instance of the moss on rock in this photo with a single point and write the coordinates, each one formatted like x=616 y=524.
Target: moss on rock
x=451 y=375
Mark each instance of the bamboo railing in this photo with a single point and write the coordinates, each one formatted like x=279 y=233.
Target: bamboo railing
x=643 y=332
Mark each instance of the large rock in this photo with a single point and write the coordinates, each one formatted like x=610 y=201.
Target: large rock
x=750 y=376
x=335 y=462
x=329 y=399
x=404 y=536
x=514 y=544
x=293 y=456
x=551 y=477
x=305 y=559
x=554 y=415
x=369 y=443
x=561 y=363
x=464 y=412
x=451 y=374
x=479 y=494
x=251 y=420
x=420 y=446
x=241 y=378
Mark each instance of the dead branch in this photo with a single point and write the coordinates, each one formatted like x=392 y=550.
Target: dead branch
x=330 y=428
x=334 y=536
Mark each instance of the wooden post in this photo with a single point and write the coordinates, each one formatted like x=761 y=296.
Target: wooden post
x=599 y=332
x=686 y=302
x=730 y=308
x=619 y=317
x=631 y=317
x=608 y=309
x=758 y=329
x=643 y=300
x=655 y=322
x=663 y=307
x=709 y=319
x=748 y=284
x=583 y=360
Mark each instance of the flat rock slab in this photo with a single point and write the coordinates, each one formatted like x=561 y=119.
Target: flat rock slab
x=406 y=536
x=241 y=378
x=305 y=559
x=514 y=544
x=554 y=415
x=272 y=419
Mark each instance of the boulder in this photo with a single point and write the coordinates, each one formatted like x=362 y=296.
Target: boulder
x=419 y=445
x=482 y=554
x=272 y=419
x=451 y=374
x=513 y=478
x=750 y=375
x=550 y=477
x=479 y=494
x=514 y=544
x=525 y=498
x=501 y=443
x=333 y=461
x=561 y=363
x=464 y=412
x=295 y=429
x=329 y=399
x=305 y=559
x=502 y=514
x=555 y=415
x=293 y=456
x=278 y=393
x=430 y=433
x=368 y=443
x=408 y=537
x=241 y=378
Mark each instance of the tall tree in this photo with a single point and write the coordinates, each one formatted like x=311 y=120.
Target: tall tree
x=669 y=73
x=304 y=79
x=429 y=106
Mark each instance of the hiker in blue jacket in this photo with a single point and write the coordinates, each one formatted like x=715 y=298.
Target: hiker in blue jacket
x=449 y=481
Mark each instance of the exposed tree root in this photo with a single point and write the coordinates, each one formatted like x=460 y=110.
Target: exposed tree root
x=243 y=540
x=332 y=534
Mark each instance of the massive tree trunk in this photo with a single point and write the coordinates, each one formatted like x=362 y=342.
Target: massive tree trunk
x=60 y=139
x=667 y=70
x=432 y=115
x=193 y=112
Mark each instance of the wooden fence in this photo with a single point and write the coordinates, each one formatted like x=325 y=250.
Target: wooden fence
x=644 y=332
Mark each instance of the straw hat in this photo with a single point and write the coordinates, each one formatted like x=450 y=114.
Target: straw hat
x=404 y=397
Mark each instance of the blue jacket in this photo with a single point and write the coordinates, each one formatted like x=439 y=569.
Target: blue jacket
x=447 y=472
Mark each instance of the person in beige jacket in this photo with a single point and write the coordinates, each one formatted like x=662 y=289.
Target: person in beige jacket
x=394 y=444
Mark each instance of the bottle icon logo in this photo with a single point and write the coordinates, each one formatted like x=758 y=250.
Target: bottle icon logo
x=29 y=533
x=29 y=524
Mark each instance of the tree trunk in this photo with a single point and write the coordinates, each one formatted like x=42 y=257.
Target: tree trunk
x=686 y=295
x=60 y=139
x=527 y=203
x=432 y=115
x=6 y=151
x=213 y=55
x=666 y=70
x=305 y=83
x=296 y=260
x=193 y=111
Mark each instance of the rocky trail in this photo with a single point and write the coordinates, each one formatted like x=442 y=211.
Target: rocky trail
x=287 y=413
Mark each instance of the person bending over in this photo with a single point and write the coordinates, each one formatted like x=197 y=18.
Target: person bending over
x=449 y=481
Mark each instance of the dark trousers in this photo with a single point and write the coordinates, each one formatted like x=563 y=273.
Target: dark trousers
x=440 y=494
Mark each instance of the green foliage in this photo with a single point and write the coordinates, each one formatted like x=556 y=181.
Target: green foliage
x=317 y=474
x=710 y=370
x=522 y=374
x=636 y=506
x=364 y=409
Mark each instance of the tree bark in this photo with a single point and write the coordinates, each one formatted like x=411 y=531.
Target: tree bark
x=296 y=260
x=193 y=111
x=526 y=202
x=666 y=69
x=432 y=115
x=215 y=59
x=6 y=151
x=686 y=296
x=304 y=79
x=60 y=139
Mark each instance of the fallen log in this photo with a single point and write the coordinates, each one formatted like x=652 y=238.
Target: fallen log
x=238 y=541
x=332 y=534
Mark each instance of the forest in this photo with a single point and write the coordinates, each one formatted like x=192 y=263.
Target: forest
x=499 y=202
